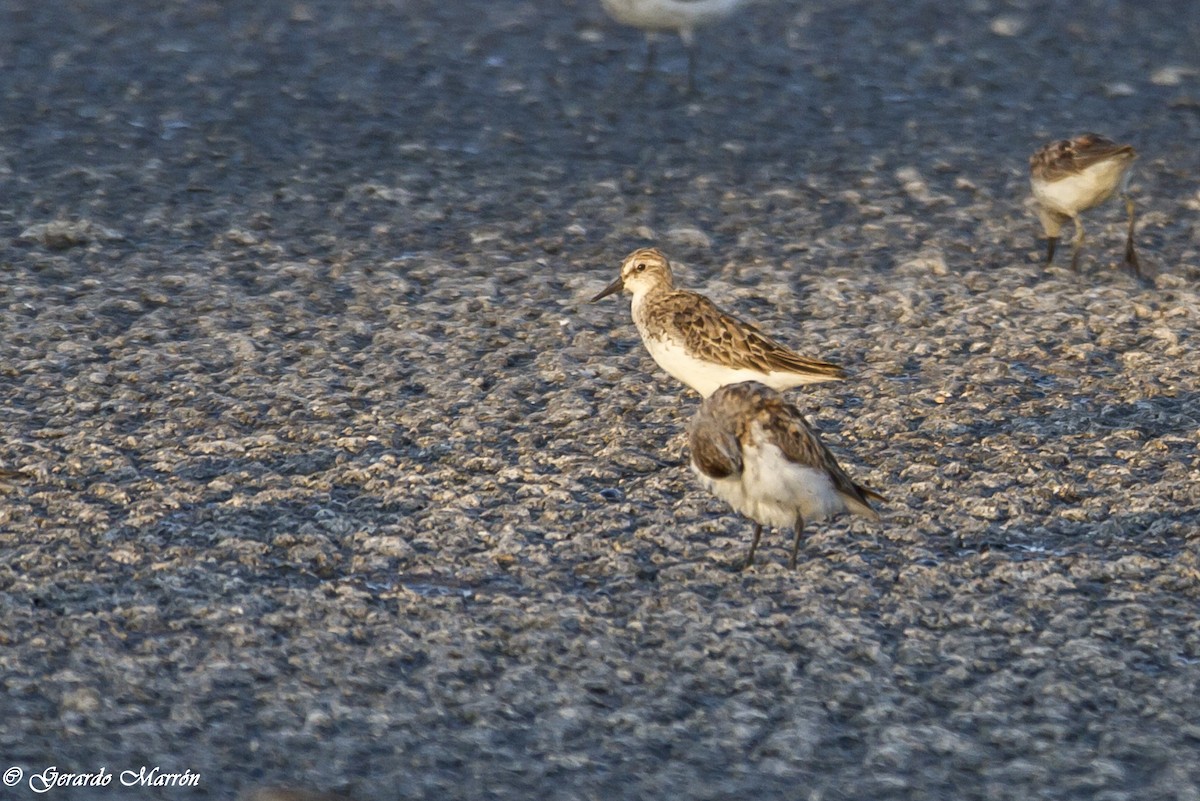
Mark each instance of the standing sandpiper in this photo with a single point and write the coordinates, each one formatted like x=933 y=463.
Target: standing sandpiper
x=701 y=345
x=1070 y=176
x=680 y=16
x=755 y=451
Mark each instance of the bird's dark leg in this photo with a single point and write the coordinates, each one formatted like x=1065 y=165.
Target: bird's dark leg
x=1131 y=259
x=753 y=545
x=1076 y=244
x=796 y=541
x=648 y=67
x=1052 y=243
x=691 y=76
x=688 y=37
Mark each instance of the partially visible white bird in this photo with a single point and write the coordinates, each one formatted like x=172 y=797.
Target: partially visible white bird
x=665 y=16
x=755 y=451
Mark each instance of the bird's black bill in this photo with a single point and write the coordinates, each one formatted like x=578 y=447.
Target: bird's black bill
x=613 y=288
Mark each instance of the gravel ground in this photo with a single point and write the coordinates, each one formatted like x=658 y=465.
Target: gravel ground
x=317 y=468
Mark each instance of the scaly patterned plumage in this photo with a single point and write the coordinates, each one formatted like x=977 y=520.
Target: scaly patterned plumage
x=1070 y=176
x=697 y=343
x=755 y=451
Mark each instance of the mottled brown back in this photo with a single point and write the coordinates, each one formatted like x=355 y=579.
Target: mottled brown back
x=716 y=336
x=730 y=414
x=1070 y=156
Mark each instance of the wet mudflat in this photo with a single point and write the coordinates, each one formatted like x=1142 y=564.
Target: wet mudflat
x=318 y=469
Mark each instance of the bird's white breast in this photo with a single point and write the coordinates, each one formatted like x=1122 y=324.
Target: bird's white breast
x=703 y=376
x=772 y=490
x=1081 y=191
x=668 y=15
x=706 y=377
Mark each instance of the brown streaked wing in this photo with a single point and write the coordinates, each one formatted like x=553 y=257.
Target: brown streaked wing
x=1071 y=156
x=716 y=451
x=801 y=445
x=719 y=337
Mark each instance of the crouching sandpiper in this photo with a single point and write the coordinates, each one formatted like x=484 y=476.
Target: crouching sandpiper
x=755 y=451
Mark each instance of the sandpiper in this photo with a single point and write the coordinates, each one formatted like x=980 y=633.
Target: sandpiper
x=701 y=345
x=1070 y=176
x=679 y=16
x=755 y=451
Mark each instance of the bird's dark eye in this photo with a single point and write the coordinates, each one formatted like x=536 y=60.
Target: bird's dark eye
x=640 y=267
